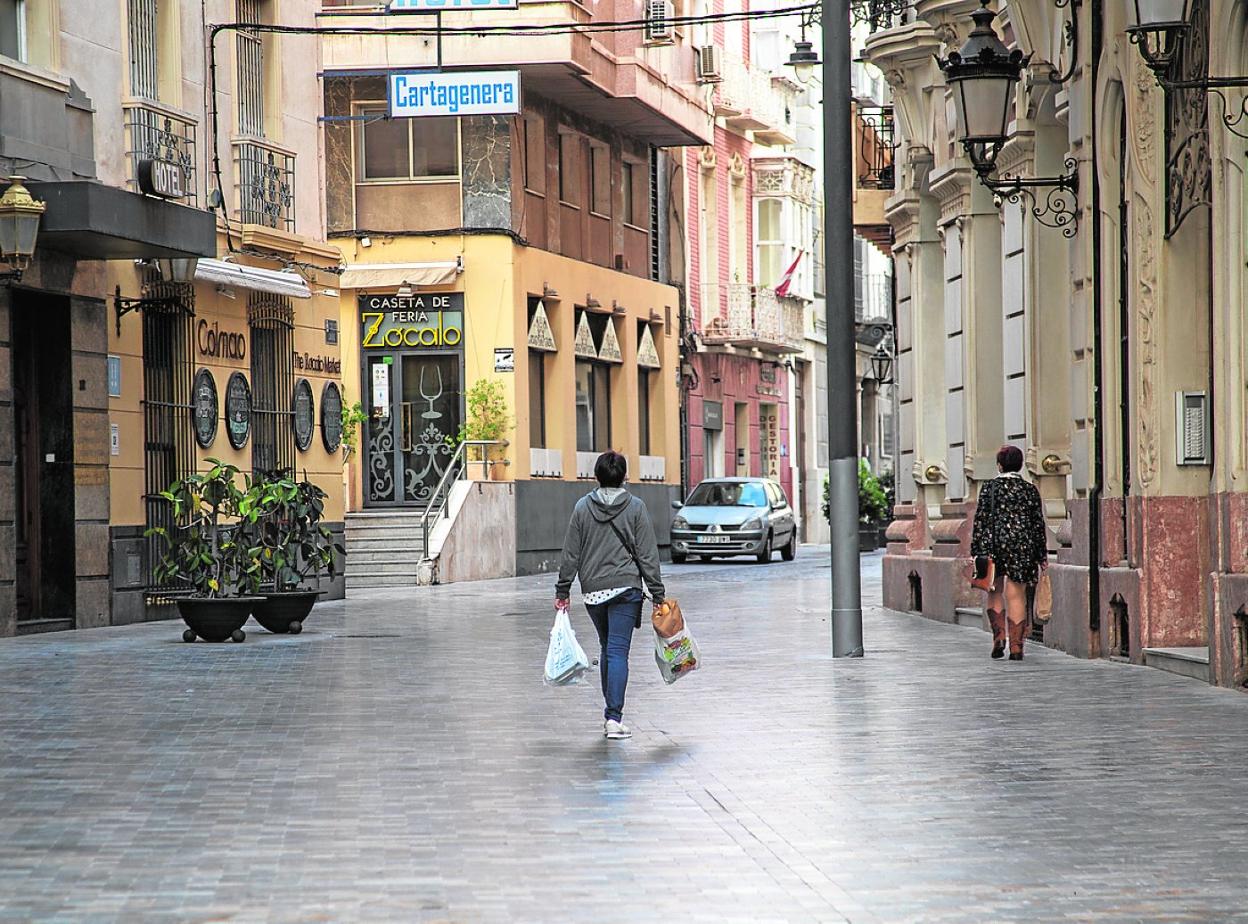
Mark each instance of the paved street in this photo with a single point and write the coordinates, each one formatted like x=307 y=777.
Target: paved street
x=402 y=761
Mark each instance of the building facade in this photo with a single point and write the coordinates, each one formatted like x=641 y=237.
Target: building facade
x=1101 y=330
x=174 y=309
x=747 y=218
x=533 y=251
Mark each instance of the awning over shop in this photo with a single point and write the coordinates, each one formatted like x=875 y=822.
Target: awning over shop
x=393 y=275
x=275 y=282
x=97 y=222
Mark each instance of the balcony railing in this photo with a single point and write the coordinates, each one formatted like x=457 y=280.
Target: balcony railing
x=877 y=144
x=751 y=317
x=783 y=176
x=751 y=100
x=266 y=184
x=154 y=132
x=878 y=15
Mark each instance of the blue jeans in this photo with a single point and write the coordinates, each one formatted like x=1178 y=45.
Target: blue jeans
x=615 y=622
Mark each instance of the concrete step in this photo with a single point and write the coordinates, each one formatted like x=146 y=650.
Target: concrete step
x=398 y=534
x=363 y=559
x=410 y=520
x=969 y=616
x=368 y=545
x=381 y=567
x=1186 y=662
x=366 y=581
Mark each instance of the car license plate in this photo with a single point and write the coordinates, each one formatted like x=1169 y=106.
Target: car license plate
x=710 y=539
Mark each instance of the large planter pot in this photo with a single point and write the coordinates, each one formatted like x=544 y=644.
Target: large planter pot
x=215 y=619
x=285 y=612
x=868 y=538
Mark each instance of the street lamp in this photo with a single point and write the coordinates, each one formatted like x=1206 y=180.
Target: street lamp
x=838 y=254
x=803 y=60
x=984 y=77
x=180 y=270
x=882 y=365
x=1157 y=28
x=19 y=227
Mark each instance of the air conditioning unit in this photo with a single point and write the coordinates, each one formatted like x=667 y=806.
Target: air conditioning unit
x=710 y=64
x=659 y=28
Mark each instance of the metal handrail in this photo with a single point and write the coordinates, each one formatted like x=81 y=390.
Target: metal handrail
x=436 y=508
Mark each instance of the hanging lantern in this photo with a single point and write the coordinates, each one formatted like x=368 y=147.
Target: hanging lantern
x=19 y=225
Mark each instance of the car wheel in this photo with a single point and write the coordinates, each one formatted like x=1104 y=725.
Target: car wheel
x=764 y=554
x=789 y=551
x=678 y=558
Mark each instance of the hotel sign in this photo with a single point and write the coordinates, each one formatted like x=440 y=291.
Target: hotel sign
x=442 y=6
x=425 y=321
x=463 y=93
x=161 y=178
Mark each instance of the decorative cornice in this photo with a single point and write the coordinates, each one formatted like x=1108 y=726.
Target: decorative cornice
x=952 y=188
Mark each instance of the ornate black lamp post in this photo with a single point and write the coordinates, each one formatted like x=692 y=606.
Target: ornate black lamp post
x=1157 y=27
x=984 y=76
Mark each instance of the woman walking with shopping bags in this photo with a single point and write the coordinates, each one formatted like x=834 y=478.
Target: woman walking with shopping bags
x=611 y=547
x=1010 y=548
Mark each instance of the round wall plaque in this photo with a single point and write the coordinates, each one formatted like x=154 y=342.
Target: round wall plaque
x=204 y=408
x=331 y=417
x=238 y=410
x=305 y=419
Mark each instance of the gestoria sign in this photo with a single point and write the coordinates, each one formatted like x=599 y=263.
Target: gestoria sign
x=422 y=322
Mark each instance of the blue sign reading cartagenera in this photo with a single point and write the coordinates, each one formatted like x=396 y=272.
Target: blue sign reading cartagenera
x=427 y=93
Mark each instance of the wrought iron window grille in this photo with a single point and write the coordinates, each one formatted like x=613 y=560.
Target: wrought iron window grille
x=877 y=145
x=270 y=320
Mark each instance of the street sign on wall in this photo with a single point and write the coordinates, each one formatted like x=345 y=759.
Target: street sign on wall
x=431 y=93
x=442 y=6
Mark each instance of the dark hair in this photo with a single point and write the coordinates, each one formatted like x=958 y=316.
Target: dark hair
x=1010 y=458
x=610 y=469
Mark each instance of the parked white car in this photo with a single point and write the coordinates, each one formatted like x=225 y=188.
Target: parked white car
x=725 y=517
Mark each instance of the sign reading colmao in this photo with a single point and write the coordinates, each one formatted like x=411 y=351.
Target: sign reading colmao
x=434 y=321
x=462 y=93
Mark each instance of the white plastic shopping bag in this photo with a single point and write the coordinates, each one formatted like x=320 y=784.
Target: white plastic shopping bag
x=565 y=659
x=676 y=655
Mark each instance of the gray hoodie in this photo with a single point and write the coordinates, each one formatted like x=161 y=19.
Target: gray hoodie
x=593 y=552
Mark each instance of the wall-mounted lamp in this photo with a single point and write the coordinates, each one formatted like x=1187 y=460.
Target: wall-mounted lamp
x=20 y=214
x=406 y=290
x=179 y=270
x=983 y=76
x=1157 y=28
x=882 y=365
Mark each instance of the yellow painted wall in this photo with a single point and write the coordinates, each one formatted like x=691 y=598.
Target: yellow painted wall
x=499 y=276
x=230 y=314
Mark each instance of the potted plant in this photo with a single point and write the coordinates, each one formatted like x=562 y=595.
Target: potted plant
x=873 y=507
x=293 y=546
x=209 y=551
x=488 y=419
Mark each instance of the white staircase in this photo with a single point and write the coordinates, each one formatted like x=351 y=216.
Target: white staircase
x=384 y=549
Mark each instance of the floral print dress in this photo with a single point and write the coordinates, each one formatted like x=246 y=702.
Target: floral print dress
x=1009 y=527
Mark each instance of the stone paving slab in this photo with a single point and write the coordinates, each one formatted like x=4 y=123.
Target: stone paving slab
x=402 y=761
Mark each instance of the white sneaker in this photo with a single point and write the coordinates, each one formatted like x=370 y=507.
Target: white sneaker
x=616 y=731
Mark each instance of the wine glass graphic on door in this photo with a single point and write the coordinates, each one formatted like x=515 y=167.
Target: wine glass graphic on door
x=431 y=414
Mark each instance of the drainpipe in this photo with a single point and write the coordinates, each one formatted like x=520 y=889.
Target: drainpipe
x=1096 y=489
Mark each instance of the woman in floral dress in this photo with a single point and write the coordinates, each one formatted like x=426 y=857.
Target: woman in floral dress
x=1009 y=529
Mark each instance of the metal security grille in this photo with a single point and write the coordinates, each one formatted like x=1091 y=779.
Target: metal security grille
x=271 y=319
x=250 y=70
x=168 y=440
x=144 y=42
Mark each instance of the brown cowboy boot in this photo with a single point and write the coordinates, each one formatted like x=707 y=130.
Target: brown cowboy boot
x=996 y=619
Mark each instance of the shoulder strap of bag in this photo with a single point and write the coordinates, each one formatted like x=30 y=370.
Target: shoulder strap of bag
x=631 y=554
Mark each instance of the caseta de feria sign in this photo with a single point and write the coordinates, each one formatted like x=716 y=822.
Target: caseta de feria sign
x=423 y=321
x=460 y=93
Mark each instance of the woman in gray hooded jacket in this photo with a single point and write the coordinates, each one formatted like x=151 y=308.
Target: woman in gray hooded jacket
x=611 y=547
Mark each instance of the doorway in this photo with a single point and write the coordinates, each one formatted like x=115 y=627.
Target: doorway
x=741 y=437
x=44 y=461
x=415 y=412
